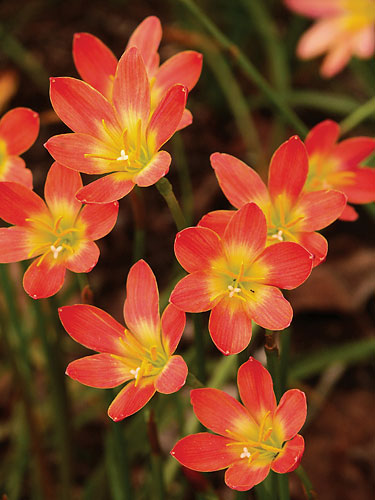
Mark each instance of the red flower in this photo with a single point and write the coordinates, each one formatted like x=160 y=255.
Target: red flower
x=251 y=438
x=292 y=215
x=238 y=278
x=18 y=130
x=96 y=63
x=336 y=166
x=121 y=138
x=143 y=354
x=60 y=233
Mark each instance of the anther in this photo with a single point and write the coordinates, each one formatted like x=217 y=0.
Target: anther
x=245 y=453
x=233 y=290
x=123 y=156
x=135 y=372
x=278 y=236
x=55 y=250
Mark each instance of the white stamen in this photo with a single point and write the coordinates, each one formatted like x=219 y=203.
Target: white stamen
x=55 y=250
x=135 y=372
x=245 y=453
x=123 y=156
x=232 y=290
x=278 y=235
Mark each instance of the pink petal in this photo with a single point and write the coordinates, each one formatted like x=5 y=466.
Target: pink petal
x=256 y=389
x=71 y=150
x=314 y=8
x=98 y=219
x=353 y=151
x=14 y=244
x=364 y=43
x=336 y=59
x=141 y=308
x=172 y=326
x=60 y=188
x=184 y=68
x=166 y=117
x=230 y=326
x=218 y=411
x=316 y=244
x=217 y=220
x=130 y=399
x=82 y=108
x=193 y=293
x=289 y=459
x=173 y=376
x=349 y=214
x=203 y=452
x=240 y=183
x=288 y=170
x=99 y=370
x=323 y=137
x=14 y=171
x=157 y=168
x=196 y=248
x=84 y=258
x=269 y=309
x=43 y=280
x=131 y=90
x=95 y=62
x=146 y=37
x=287 y=265
x=291 y=413
x=107 y=189
x=320 y=209
x=93 y=328
x=17 y=203
x=242 y=476
x=318 y=39
x=19 y=128
x=246 y=233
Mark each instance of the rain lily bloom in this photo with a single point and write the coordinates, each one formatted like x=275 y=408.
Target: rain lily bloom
x=292 y=215
x=344 y=28
x=121 y=138
x=59 y=233
x=238 y=278
x=336 y=165
x=19 y=128
x=142 y=354
x=251 y=438
x=96 y=63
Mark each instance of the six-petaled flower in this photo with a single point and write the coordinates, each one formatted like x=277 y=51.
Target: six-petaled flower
x=59 y=234
x=141 y=354
x=251 y=438
x=238 y=278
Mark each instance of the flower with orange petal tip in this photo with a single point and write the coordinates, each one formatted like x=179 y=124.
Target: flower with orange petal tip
x=59 y=233
x=19 y=128
x=251 y=438
x=291 y=214
x=96 y=63
x=238 y=278
x=120 y=139
x=344 y=28
x=142 y=354
x=336 y=165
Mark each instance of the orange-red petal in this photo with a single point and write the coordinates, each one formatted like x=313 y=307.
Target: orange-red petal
x=141 y=308
x=196 y=248
x=289 y=459
x=173 y=376
x=193 y=293
x=242 y=476
x=184 y=68
x=218 y=411
x=172 y=326
x=84 y=257
x=14 y=244
x=230 y=326
x=43 y=280
x=130 y=399
x=98 y=219
x=269 y=309
x=288 y=169
x=19 y=128
x=93 y=328
x=157 y=168
x=322 y=138
x=316 y=244
x=107 y=189
x=14 y=171
x=17 y=203
x=99 y=370
x=95 y=62
x=146 y=37
x=349 y=214
x=60 y=188
x=362 y=189
x=291 y=413
x=203 y=452
x=240 y=183
x=186 y=119
x=256 y=388
x=217 y=220
x=353 y=151
x=320 y=208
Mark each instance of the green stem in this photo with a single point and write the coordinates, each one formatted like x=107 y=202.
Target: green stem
x=165 y=189
x=358 y=116
x=193 y=381
x=138 y=209
x=272 y=353
x=199 y=347
x=283 y=486
x=156 y=458
x=248 y=68
x=183 y=173
x=306 y=483
x=285 y=337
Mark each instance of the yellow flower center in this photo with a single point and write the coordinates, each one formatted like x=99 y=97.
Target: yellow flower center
x=282 y=221
x=324 y=173
x=359 y=14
